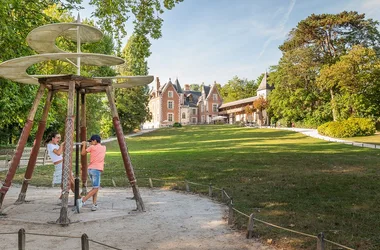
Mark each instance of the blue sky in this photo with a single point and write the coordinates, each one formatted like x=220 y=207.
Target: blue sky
x=214 y=40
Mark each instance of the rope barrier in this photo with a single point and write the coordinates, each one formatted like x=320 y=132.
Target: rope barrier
x=339 y=245
x=267 y=223
x=9 y=233
x=54 y=235
x=104 y=244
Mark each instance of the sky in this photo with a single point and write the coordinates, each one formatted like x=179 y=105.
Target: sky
x=215 y=40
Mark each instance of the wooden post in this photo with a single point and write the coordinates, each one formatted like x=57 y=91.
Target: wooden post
x=85 y=243
x=223 y=194
x=21 y=145
x=67 y=156
x=321 y=241
x=124 y=149
x=250 y=226
x=210 y=190
x=83 y=137
x=230 y=213
x=35 y=150
x=77 y=150
x=187 y=186
x=150 y=183
x=21 y=239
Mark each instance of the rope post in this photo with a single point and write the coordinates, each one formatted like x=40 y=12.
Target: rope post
x=21 y=239
x=187 y=186
x=150 y=183
x=84 y=242
x=223 y=194
x=230 y=212
x=250 y=227
x=321 y=241
x=210 y=190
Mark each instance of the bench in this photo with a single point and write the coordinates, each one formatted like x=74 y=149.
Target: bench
x=7 y=154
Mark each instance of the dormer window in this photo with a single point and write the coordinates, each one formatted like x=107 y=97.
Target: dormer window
x=170 y=94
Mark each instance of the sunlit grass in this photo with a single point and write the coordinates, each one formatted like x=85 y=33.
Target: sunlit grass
x=285 y=178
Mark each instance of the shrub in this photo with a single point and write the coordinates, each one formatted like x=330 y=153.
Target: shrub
x=177 y=125
x=348 y=128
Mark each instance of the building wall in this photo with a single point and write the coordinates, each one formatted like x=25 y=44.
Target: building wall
x=175 y=99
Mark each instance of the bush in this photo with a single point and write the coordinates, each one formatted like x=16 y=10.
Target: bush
x=348 y=128
x=177 y=125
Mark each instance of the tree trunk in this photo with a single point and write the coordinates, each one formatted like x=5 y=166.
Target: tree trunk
x=333 y=106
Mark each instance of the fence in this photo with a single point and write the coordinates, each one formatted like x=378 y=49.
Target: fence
x=85 y=241
x=232 y=212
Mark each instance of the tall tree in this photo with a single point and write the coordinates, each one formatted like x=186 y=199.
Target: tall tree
x=355 y=80
x=132 y=104
x=237 y=88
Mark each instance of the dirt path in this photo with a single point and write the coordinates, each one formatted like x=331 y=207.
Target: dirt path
x=172 y=220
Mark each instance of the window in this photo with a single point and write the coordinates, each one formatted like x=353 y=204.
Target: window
x=170 y=104
x=202 y=118
x=214 y=108
x=202 y=108
x=194 y=111
x=170 y=93
x=183 y=115
x=194 y=120
x=215 y=97
x=170 y=117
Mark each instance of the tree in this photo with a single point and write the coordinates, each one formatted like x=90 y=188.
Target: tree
x=195 y=87
x=316 y=41
x=132 y=104
x=147 y=21
x=237 y=89
x=355 y=81
x=260 y=104
x=331 y=35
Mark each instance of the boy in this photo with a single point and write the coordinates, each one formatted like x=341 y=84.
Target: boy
x=95 y=169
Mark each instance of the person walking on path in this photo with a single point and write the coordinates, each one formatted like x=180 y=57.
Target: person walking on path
x=95 y=169
x=55 y=152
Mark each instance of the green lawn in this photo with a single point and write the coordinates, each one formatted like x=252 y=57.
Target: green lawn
x=285 y=178
x=374 y=139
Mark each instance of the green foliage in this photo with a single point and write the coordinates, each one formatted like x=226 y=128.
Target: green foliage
x=348 y=128
x=177 y=125
x=323 y=74
x=237 y=89
x=147 y=21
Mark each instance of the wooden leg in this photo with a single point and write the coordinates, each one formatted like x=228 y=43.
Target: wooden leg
x=67 y=156
x=124 y=150
x=36 y=148
x=21 y=145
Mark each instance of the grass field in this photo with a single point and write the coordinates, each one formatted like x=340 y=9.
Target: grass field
x=374 y=139
x=283 y=177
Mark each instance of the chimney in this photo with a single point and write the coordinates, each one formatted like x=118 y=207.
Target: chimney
x=187 y=87
x=157 y=84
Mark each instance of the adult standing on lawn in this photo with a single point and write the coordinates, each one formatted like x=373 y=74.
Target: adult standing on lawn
x=95 y=169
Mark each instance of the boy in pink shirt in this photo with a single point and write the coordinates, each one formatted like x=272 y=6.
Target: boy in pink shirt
x=95 y=169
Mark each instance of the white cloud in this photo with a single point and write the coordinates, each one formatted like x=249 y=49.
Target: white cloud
x=280 y=31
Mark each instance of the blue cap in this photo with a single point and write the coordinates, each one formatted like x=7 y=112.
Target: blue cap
x=95 y=138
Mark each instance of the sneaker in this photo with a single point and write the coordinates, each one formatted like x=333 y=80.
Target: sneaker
x=94 y=207
x=79 y=205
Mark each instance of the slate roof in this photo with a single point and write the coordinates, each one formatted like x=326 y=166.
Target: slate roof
x=264 y=83
x=177 y=86
x=195 y=96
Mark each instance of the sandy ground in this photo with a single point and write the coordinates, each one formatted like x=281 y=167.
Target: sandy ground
x=173 y=220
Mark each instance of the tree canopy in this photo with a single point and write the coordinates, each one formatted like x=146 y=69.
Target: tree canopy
x=328 y=70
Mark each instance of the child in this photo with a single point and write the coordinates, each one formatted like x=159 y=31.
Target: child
x=95 y=169
x=55 y=152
